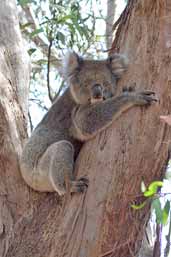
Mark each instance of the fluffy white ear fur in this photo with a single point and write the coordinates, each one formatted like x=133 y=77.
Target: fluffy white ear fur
x=119 y=64
x=70 y=63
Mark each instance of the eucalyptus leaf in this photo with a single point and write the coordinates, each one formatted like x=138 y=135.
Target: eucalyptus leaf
x=154 y=185
x=60 y=36
x=138 y=207
x=156 y=205
x=25 y=2
x=36 y=32
x=165 y=212
x=31 y=51
x=152 y=188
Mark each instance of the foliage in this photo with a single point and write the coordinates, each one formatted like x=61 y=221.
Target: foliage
x=51 y=27
x=66 y=25
x=153 y=195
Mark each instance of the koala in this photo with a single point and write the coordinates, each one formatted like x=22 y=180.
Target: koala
x=87 y=107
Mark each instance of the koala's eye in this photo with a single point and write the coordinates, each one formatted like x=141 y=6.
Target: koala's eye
x=106 y=84
x=87 y=83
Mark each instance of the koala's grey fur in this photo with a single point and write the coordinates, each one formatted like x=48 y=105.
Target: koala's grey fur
x=87 y=107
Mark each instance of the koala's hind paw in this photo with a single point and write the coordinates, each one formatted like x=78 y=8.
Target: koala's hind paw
x=146 y=97
x=85 y=180
x=80 y=185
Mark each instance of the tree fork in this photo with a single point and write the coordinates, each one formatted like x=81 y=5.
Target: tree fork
x=133 y=149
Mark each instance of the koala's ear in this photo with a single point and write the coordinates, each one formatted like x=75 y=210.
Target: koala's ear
x=118 y=64
x=71 y=62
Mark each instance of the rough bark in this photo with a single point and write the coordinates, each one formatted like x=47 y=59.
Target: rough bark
x=14 y=77
x=100 y=222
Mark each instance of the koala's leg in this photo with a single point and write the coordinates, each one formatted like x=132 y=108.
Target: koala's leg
x=93 y=118
x=60 y=156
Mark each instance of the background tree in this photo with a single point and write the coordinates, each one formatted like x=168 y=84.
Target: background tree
x=111 y=10
x=100 y=222
x=14 y=81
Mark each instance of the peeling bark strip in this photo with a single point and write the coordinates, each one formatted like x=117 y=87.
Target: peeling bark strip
x=134 y=148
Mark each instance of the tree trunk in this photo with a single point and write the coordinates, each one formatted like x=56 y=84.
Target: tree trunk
x=111 y=8
x=14 y=78
x=99 y=223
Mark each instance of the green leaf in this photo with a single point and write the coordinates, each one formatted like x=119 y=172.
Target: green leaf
x=63 y=19
x=25 y=25
x=165 y=213
x=31 y=51
x=24 y=2
x=78 y=27
x=148 y=193
x=138 y=207
x=156 y=205
x=71 y=27
x=154 y=185
x=98 y=37
x=61 y=37
x=35 y=32
x=152 y=188
x=143 y=187
x=41 y=61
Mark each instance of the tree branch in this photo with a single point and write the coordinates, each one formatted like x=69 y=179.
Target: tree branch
x=30 y=122
x=48 y=70
x=111 y=7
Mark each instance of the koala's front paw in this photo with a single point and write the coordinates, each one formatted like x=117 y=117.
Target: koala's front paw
x=145 y=97
x=79 y=185
x=84 y=180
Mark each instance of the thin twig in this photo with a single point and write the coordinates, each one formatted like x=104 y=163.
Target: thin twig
x=39 y=103
x=48 y=69
x=30 y=122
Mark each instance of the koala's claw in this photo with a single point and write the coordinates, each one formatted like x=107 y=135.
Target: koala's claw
x=80 y=185
x=147 y=97
x=84 y=180
x=148 y=92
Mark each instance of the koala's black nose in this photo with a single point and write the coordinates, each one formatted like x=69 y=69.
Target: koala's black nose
x=97 y=91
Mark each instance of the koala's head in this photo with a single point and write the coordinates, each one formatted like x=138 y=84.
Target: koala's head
x=93 y=80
